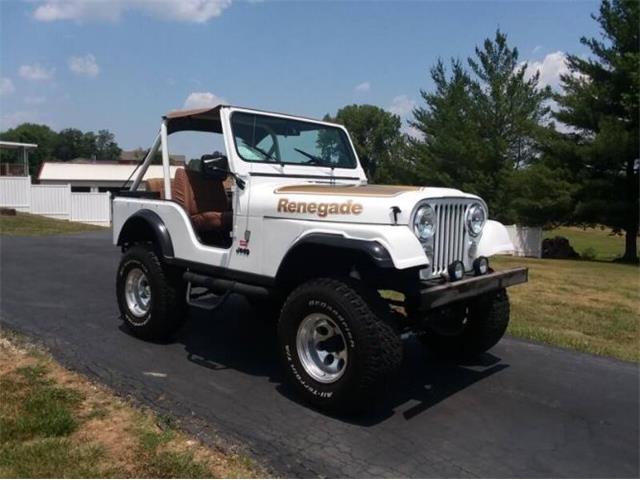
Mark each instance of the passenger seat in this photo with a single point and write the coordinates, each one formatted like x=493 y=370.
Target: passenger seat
x=204 y=200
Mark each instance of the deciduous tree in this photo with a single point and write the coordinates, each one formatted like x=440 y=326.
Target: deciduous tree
x=375 y=133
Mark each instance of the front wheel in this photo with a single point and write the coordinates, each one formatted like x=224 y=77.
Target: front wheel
x=468 y=329
x=336 y=344
x=151 y=297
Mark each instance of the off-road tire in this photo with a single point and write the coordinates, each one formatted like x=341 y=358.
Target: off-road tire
x=168 y=303
x=487 y=321
x=374 y=348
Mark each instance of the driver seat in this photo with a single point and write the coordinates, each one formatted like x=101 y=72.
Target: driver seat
x=206 y=203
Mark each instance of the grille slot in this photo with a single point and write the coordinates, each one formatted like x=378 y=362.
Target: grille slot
x=448 y=244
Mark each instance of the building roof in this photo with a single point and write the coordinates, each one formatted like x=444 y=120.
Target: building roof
x=137 y=155
x=74 y=172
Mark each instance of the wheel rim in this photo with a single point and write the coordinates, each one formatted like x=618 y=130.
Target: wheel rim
x=322 y=348
x=137 y=292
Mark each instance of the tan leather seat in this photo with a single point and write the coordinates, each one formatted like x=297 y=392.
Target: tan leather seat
x=155 y=185
x=204 y=200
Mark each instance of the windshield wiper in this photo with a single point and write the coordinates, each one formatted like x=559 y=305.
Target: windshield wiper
x=263 y=152
x=314 y=159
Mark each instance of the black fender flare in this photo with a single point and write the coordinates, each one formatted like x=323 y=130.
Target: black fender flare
x=140 y=222
x=373 y=249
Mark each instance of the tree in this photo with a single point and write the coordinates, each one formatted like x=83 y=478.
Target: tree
x=600 y=101
x=69 y=144
x=482 y=129
x=41 y=135
x=106 y=146
x=88 y=146
x=375 y=134
x=66 y=145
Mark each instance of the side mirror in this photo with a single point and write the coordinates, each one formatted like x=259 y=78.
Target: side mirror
x=215 y=166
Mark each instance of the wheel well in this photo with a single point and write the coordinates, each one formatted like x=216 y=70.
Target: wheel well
x=146 y=226
x=312 y=260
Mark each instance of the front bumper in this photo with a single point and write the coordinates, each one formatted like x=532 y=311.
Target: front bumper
x=440 y=295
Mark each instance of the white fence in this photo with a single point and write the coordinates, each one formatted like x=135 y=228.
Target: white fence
x=15 y=192
x=51 y=200
x=90 y=207
x=56 y=201
x=526 y=240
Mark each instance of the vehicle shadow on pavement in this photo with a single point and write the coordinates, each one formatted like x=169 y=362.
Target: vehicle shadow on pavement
x=234 y=337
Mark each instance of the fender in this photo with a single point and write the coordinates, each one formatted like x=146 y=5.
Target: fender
x=374 y=250
x=145 y=223
x=495 y=239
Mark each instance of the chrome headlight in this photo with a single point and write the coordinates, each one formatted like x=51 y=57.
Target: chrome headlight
x=424 y=223
x=476 y=216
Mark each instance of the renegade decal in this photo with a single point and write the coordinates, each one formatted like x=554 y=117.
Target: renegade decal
x=321 y=209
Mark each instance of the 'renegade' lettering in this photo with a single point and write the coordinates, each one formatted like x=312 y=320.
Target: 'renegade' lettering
x=319 y=208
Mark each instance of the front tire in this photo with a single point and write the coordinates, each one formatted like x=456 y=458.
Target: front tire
x=465 y=331
x=336 y=344
x=151 y=297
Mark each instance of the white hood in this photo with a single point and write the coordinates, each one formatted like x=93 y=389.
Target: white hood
x=370 y=204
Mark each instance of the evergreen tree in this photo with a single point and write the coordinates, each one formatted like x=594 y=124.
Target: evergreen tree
x=600 y=101
x=481 y=125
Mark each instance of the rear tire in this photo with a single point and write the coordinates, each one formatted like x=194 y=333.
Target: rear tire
x=482 y=323
x=151 y=297
x=336 y=344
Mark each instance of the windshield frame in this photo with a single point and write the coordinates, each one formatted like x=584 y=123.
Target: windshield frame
x=342 y=132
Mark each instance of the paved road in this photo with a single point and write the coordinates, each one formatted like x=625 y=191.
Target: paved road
x=524 y=410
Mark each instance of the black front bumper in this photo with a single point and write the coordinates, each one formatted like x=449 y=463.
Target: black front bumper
x=440 y=295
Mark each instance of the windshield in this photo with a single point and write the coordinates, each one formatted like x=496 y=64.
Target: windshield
x=262 y=138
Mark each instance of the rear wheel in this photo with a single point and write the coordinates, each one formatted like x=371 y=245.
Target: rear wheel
x=336 y=343
x=469 y=329
x=151 y=297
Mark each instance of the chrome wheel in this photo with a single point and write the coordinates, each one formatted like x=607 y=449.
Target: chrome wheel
x=137 y=292
x=322 y=348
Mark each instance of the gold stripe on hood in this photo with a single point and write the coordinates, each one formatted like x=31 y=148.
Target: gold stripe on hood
x=350 y=190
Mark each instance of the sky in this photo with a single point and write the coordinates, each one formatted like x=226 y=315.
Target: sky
x=121 y=64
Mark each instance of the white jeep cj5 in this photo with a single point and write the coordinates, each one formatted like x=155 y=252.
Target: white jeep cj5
x=287 y=219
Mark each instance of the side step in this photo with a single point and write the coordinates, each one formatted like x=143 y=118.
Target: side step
x=205 y=300
x=222 y=286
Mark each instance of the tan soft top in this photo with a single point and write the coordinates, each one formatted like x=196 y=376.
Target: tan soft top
x=198 y=119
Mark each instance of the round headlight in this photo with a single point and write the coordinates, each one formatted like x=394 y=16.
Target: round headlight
x=424 y=223
x=476 y=216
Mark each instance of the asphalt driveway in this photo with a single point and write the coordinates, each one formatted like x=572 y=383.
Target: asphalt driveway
x=523 y=410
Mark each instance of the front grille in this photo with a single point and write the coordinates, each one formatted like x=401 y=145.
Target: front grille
x=448 y=244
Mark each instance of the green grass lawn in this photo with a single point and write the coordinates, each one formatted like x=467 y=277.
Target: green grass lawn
x=601 y=242
x=56 y=424
x=588 y=306
x=27 y=224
